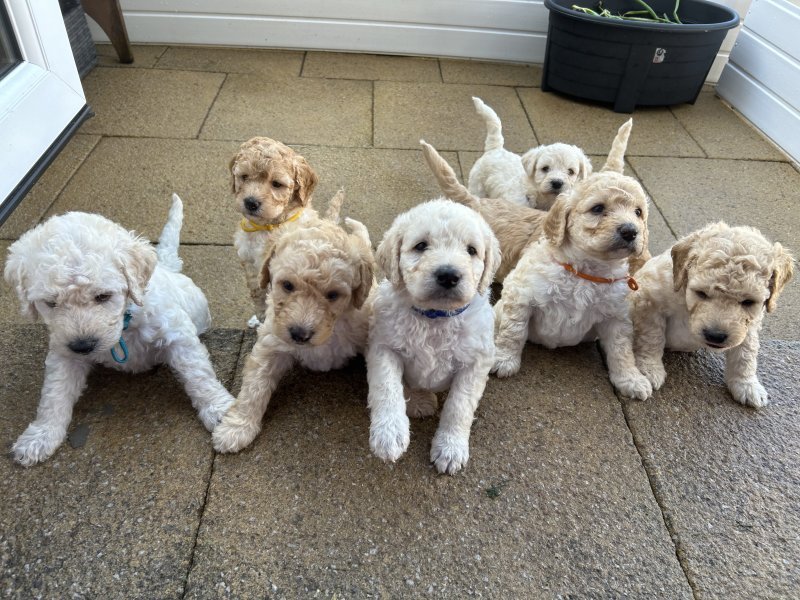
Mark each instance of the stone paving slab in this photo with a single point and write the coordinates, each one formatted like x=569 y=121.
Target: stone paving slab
x=490 y=73
x=555 y=118
x=554 y=502
x=131 y=181
x=728 y=476
x=293 y=110
x=149 y=102
x=443 y=114
x=31 y=209
x=266 y=63
x=116 y=515
x=145 y=56
x=339 y=65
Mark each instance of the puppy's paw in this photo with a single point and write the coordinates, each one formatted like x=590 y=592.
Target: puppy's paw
x=655 y=372
x=506 y=365
x=212 y=414
x=749 y=392
x=449 y=453
x=37 y=443
x=422 y=403
x=231 y=435
x=389 y=437
x=253 y=322
x=633 y=385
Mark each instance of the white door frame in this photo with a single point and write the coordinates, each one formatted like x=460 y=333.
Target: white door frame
x=41 y=100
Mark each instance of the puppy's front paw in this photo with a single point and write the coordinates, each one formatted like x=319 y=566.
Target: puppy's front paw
x=449 y=453
x=389 y=437
x=231 y=435
x=37 y=443
x=253 y=322
x=749 y=392
x=422 y=403
x=505 y=364
x=212 y=414
x=633 y=385
x=655 y=372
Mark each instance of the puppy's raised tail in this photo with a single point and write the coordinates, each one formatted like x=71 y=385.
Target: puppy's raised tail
x=494 y=129
x=446 y=177
x=170 y=239
x=335 y=206
x=616 y=158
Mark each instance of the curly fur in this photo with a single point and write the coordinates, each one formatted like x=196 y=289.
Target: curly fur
x=317 y=316
x=80 y=272
x=270 y=183
x=710 y=290
x=533 y=179
x=410 y=357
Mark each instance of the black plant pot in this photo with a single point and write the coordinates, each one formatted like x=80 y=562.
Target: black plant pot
x=631 y=63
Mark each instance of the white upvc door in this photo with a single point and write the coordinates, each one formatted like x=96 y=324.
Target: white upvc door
x=40 y=97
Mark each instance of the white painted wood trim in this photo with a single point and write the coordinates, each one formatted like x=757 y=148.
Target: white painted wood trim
x=779 y=22
x=773 y=69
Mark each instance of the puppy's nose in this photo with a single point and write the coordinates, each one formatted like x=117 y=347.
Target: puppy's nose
x=83 y=345
x=556 y=184
x=447 y=277
x=300 y=334
x=251 y=204
x=628 y=232
x=714 y=336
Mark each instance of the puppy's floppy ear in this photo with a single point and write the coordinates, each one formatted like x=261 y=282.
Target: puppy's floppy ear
x=491 y=261
x=388 y=255
x=17 y=273
x=137 y=259
x=366 y=272
x=529 y=160
x=230 y=169
x=305 y=180
x=269 y=253
x=683 y=257
x=585 y=166
x=555 y=223
x=783 y=273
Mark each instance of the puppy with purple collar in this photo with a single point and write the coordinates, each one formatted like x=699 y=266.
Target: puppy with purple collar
x=431 y=329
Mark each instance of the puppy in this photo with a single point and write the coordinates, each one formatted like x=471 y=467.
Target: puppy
x=272 y=185
x=515 y=226
x=431 y=329
x=319 y=278
x=571 y=285
x=710 y=290
x=108 y=298
x=534 y=179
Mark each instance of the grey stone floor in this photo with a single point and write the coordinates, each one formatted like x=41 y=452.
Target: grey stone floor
x=569 y=493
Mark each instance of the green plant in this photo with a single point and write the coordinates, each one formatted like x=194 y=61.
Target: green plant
x=647 y=15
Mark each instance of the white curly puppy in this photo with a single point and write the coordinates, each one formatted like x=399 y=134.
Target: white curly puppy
x=533 y=179
x=108 y=298
x=571 y=285
x=710 y=290
x=317 y=316
x=431 y=329
x=272 y=185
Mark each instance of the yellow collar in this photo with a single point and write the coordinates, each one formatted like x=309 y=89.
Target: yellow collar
x=248 y=226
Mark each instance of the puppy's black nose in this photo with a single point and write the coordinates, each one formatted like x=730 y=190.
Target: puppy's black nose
x=251 y=204
x=714 y=336
x=83 y=345
x=628 y=232
x=300 y=334
x=447 y=277
x=556 y=184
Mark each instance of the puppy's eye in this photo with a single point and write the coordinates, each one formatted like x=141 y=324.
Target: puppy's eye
x=747 y=302
x=243 y=176
x=598 y=209
x=471 y=250
x=50 y=303
x=701 y=294
x=332 y=296
x=571 y=172
x=102 y=298
x=638 y=212
x=545 y=169
x=277 y=185
x=421 y=247
x=288 y=286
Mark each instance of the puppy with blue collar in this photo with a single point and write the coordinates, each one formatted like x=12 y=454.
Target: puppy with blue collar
x=431 y=329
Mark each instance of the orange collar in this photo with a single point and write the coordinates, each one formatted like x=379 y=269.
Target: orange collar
x=631 y=281
x=248 y=226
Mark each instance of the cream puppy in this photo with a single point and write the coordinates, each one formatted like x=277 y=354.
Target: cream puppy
x=109 y=298
x=571 y=285
x=431 y=329
x=710 y=290
x=533 y=179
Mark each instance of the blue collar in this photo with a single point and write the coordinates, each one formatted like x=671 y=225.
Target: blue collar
x=433 y=313
x=125 y=322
